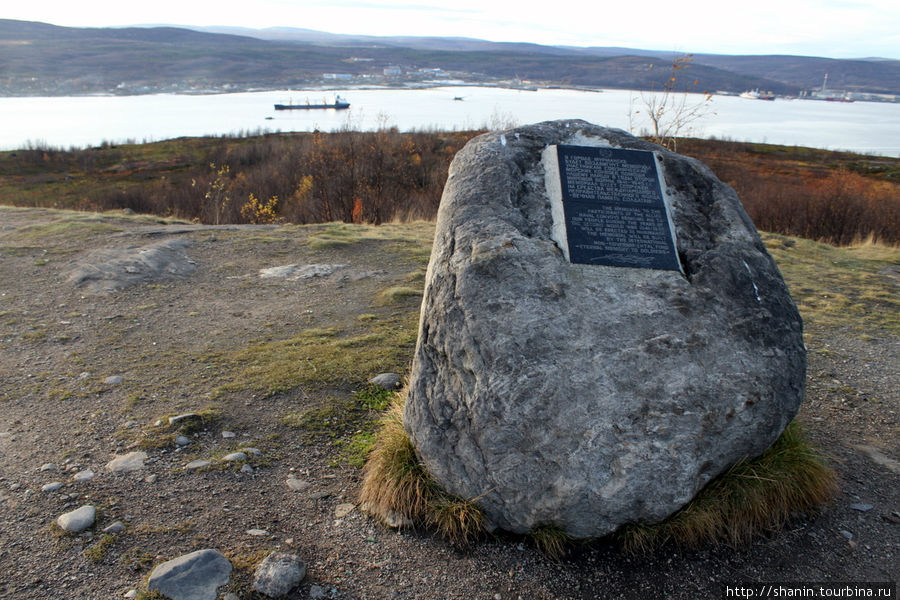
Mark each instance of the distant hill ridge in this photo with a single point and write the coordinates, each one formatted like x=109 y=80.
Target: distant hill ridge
x=38 y=58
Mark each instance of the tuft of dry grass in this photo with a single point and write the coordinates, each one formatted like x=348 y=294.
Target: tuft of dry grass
x=458 y=521
x=753 y=497
x=397 y=489
x=551 y=540
x=394 y=482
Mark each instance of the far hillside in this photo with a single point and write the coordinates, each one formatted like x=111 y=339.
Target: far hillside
x=43 y=59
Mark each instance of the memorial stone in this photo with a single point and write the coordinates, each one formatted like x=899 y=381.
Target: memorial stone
x=588 y=396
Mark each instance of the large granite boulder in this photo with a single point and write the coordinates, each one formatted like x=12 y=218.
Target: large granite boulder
x=587 y=396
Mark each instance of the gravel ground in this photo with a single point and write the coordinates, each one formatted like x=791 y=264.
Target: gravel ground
x=59 y=342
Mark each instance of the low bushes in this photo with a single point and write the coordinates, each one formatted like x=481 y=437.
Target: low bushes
x=382 y=176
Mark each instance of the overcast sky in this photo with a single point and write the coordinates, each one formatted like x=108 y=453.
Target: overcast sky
x=833 y=28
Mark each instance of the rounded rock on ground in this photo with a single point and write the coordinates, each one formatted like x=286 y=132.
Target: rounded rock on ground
x=83 y=476
x=298 y=485
x=234 y=457
x=197 y=464
x=114 y=380
x=48 y=467
x=193 y=576
x=182 y=440
x=51 y=487
x=387 y=381
x=278 y=574
x=116 y=527
x=126 y=463
x=77 y=520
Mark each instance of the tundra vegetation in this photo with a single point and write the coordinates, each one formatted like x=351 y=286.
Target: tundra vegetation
x=388 y=176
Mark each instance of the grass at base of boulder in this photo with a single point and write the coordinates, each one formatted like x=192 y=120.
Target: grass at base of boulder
x=551 y=540
x=395 y=485
x=753 y=497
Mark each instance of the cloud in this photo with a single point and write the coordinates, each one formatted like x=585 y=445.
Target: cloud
x=838 y=28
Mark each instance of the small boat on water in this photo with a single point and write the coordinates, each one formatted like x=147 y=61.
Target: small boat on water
x=757 y=95
x=338 y=104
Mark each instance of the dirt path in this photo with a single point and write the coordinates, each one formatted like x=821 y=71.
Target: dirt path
x=196 y=326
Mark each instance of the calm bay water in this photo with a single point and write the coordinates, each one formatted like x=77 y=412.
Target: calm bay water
x=864 y=127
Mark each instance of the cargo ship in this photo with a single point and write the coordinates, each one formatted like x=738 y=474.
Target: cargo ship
x=338 y=104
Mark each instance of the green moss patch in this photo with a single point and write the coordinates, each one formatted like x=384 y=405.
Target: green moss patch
x=320 y=358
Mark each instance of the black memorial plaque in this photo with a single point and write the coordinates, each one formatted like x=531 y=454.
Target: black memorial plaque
x=614 y=210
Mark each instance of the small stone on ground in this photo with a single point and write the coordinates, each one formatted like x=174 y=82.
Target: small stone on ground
x=388 y=381
x=278 y=574
x=78 y=520
x=298 y=485
x=133 y=461
x=82 y=476
x=117 y=527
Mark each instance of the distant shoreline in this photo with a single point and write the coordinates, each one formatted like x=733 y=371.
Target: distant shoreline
x=323 y=88
x=877 y=98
